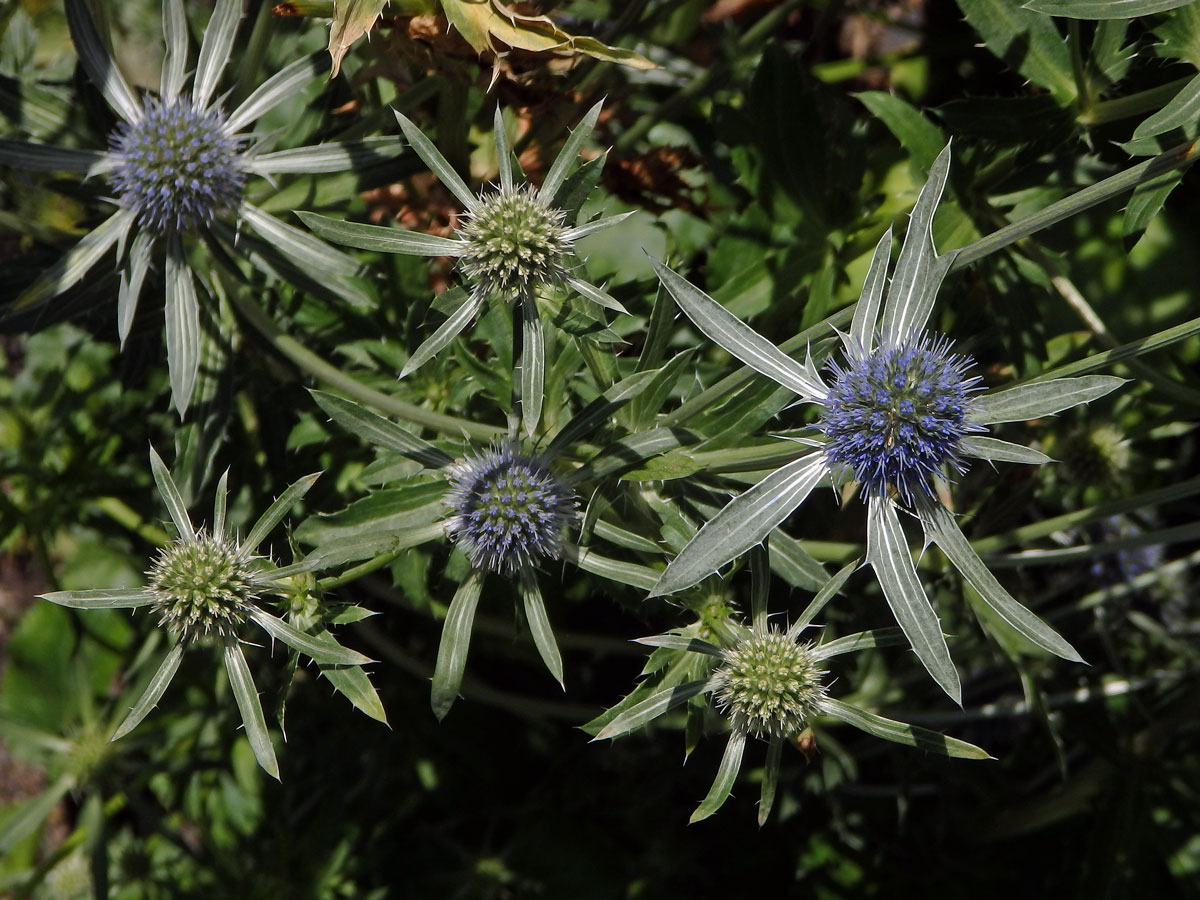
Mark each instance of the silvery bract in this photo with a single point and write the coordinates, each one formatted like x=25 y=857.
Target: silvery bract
x=900 y=410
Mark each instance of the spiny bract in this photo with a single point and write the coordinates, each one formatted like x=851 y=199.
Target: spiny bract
x=508 y=508
x=202 y=587
x=770 y=685
x=177 y=167
x=896 y=415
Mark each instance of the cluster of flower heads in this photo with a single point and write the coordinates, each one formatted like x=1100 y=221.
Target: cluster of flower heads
x=507 y=509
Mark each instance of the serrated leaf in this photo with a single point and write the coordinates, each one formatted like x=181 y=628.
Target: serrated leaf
x=171 y=497
x=455 y=644
x=153 y=693
x=681 y=642
x=1042 y=398
x=599 y=411
x=1183 y=111
x=1027 y=41
x=916 y=133
x=651 y=708
x=377 y=237
x=325 y=652
x=351 y=20
x=1001 y=451
x=277 y=510
x=899 y=732
x=377 y=430
x=727 y=772
x=354 y=684
x=539 y=626
x=114 y=599
x=250 y=707
x=175 y=31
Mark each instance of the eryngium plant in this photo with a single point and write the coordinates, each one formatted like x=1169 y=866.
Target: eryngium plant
x=178 y=166
x=769 y=684
x=517 y=244
x=902 y=413
x=205 y=589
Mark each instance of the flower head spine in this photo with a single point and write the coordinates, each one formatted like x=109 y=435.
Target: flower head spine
x=177 y=166
x=508 y=509
x=202 y=588
x=770 y=685
x=896 y=415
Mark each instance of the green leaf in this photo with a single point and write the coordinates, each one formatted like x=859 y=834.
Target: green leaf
x=437 y=163
x=115 y=599
x=334 y=156
x=539 y=626
x=1043 y=398
x=727 y=772
x=379 y=431
x=220 y=504
x=632 y=574
x=175 y=31
x=866 y=312
x=1180 y=34
x=445 y=333
x=916 y=133
x=154 y=691
x=301 y=248
x=354 y=684
x=827 y=592
x=745 y=521
x=941 y=528
x=889 y=556
x=631 y=450
x=1147 y=201
x=504 y=157
x=600 y=411
x=568 y=154
x=737 y=338
x=455 y=644
x=183 y=325
x=681 y=642
x=214 y=53
x=351 y=20
x=32 y=813
x=376 y=237
x=132 y=277
x=766 y=798
x=171 y=497
x=863 y=640
x=100 y=67
x=651 y=708
x=283 y=84
x=531 y=366
x=45 y=158
x=909 y=735
x=1103 y=9
x=248 y=703
x=1001 y=451
x=1027 y=41
x=277 y=510
x=326 y=653
x=1183 y=111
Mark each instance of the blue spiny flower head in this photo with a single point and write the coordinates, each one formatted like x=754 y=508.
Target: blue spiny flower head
x=897 y=415
x=508 y=509
x=177 y=167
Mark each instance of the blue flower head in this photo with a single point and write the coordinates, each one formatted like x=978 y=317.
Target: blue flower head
x=508 y=509
x=896 y=416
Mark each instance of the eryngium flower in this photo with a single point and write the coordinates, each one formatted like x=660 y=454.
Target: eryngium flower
x=896 y=416
x=508 y=509
x=177 y=166
x=901 y=411
x=205 y=588
x=770 y=685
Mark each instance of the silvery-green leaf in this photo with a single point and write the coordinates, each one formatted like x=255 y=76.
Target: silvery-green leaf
x=214 y=52
x=582 y=231
x=44 y=158
x=600 y=410
x=915 y=281
x=335 y=156
x=175 y=30
x=32 y=813
x=277 y=510
x=153 y=693
x=1001 y=451
x=1103 y=9
x=437 y=163
x=539 y=625
x=445 y=333
x=171 y=497
x=132 y=277
x=651 y=708
x=766 y=797
x=910 y=735
x=100 y=67
x=385 y=240
x=1042 y=398
x=327 y=653
x=745 y=521
x=379 y=431
x=354 y=684
x=596 y=295
x=567 y=155
x=120 y=598
x=220 y=502
x=889 y=556
x=866 y=313
x=1182 y=110
x=632 y=574
x=531 y=366
x=941 y=528
x=760 y=586
x=734 y=336
x=77 y=261
x=503 y=154
x=827 y=592
x=863 y=640
x=304 y=250
x=248 y=703
x=681 y=642
x=183 y=325
x=455 y=644
x=283 y=84
x=727 y=771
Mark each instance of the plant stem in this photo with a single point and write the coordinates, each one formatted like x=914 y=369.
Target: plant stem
x=1137 y=348
x=1150 y=100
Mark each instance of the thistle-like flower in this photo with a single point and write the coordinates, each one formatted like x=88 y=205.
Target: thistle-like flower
x=901 y=411
x=517 y=244
x=178 y=167
x=205 y=589
x=768 y=684
x=508 y=510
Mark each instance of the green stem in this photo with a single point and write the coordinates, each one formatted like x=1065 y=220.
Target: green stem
x=1082 y=85
x=1176 y=158
x=412 y=539
x=1150 y=100
x=308 y=361
x=127 y=518
x=1140 y=347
